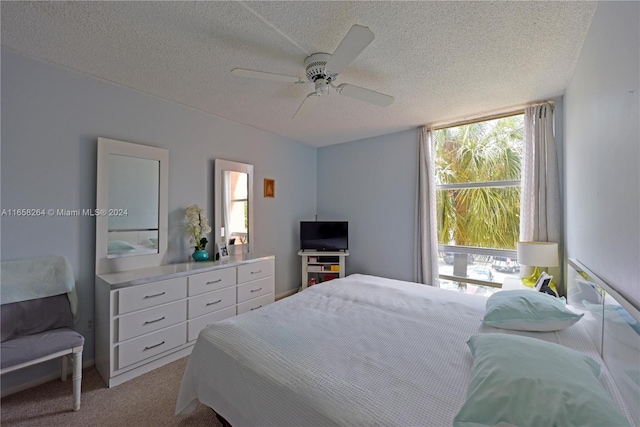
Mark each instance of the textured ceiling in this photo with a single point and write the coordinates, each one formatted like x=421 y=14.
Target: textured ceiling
x=440 y=60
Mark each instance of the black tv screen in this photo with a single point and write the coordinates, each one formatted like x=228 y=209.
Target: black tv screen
x=324 y=235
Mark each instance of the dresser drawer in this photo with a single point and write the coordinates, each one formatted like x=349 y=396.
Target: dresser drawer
x=255 y=303
x=150 y=345
x=196 y=325
x=207 y=303
x=156 y=293
x=255 y=270
x=143 y=322
x=255 y=289
x=211 y=281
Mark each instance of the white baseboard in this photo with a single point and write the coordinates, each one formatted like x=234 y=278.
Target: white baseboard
x=41 y=380
x=286 y=294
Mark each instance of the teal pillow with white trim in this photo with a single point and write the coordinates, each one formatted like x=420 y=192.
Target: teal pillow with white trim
x=528 y=310
x=525 y=381
x=119 y=246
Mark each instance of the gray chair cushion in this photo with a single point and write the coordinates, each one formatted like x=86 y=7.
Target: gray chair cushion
x=31 y=347
x=35 y=316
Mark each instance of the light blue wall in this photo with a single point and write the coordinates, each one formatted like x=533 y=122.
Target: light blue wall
x=51 y=119
x=602 y=148
x=372 y=184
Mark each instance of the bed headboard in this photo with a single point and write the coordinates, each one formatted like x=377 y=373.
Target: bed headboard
x=614 y=325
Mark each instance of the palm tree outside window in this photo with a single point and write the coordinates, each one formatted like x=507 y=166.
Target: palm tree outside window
x=478 y=173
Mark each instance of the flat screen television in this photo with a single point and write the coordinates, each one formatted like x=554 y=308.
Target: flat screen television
x=324 y=235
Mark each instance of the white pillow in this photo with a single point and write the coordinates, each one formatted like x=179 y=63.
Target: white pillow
x=524 y=381
x=524 y=310
x=119 y=246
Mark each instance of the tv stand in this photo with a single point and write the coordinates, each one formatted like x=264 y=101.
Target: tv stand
x=322 y=266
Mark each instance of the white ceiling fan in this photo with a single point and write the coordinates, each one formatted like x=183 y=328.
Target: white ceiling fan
x=322 y=69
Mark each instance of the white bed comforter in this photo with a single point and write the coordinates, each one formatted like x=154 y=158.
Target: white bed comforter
x=361 y=350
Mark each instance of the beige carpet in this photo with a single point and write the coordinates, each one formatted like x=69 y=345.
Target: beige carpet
x=148 y=400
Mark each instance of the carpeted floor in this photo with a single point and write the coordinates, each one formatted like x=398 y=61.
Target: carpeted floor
x=148 y=400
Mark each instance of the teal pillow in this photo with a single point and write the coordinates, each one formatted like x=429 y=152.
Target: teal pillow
x=529 y=382
x=524 y=310
x=117 y=246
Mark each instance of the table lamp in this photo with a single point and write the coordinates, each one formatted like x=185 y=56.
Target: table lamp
x=538 y=255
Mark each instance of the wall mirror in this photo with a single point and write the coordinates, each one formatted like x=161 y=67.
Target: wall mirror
x=233 y=195
x=131 y=206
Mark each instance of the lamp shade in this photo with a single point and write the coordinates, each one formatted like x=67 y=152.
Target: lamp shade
x=538 y=254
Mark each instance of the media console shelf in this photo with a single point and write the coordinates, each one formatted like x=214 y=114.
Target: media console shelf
x=322 y=266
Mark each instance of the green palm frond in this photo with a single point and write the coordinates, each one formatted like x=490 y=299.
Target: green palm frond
x=479 y=152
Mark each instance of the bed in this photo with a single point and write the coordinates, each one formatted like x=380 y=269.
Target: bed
x=362 y=350
x=127 y=243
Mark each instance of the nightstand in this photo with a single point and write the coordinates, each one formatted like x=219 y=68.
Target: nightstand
x=511 y=283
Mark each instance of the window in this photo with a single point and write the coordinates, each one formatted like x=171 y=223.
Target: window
x=477 y=168
x=238 y=208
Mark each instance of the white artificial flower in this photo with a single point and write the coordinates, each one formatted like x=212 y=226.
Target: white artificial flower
x=197 y=224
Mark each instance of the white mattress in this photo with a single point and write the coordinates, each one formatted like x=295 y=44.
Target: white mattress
x=361 y=350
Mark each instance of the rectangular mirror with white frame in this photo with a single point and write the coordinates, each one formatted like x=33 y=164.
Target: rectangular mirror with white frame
x=131 y=206
x=233 y=216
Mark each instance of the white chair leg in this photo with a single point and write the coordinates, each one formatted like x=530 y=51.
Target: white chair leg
x=63 y=376
x=77 y=379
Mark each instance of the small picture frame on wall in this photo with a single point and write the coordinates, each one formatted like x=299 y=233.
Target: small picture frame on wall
x=222 y=250
x=269 y=187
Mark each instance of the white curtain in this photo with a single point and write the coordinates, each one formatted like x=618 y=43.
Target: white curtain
x=540 y=213
x=540 y=209
x=426 y=236
x=226 y=203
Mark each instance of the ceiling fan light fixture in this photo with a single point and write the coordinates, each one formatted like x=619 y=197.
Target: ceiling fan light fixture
x=315 y=67
x=322 y=69
x=322 y=86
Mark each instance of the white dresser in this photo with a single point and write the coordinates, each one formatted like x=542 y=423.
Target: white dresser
x=148 y=317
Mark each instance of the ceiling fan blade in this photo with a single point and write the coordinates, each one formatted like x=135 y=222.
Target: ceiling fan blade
x=367 y=95
x=356 y=40
x=267 y=76
x=303 y=109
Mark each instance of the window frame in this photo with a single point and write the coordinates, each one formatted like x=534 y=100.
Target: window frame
x=473 y=250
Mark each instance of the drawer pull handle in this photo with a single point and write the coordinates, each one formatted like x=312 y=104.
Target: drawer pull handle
x=155 y=295
x=215 y=302
x=256 y=307
x=153 y=346
x=256 y=290
x=256 y=272
x=214 y=281
x=153 y=321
